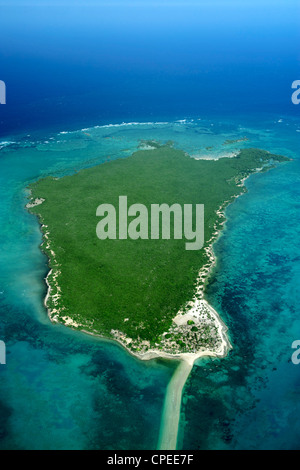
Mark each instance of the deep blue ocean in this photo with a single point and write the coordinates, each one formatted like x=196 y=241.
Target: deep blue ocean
x=196 y=75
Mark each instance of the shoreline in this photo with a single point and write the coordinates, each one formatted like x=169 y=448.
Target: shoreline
x=191 y=358
x=170 y=420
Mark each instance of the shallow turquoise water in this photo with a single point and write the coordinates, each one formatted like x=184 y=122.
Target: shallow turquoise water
x=62 y=389
x=251 y=399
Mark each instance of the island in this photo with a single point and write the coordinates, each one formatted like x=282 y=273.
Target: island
x=146 y=294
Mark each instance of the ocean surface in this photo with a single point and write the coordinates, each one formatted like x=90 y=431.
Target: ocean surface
x=62 y=389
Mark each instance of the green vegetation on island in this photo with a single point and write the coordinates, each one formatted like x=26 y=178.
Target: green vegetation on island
x=235 y=141
x=135 y=287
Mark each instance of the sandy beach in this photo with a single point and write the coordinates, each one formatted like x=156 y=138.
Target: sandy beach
x=172 y=404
